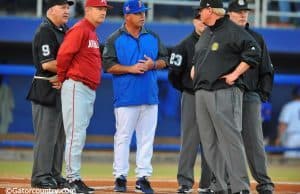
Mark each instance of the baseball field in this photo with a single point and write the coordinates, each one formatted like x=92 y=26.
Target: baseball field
x=16 y=174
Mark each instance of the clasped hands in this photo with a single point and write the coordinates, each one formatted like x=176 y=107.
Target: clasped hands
x=143 y=65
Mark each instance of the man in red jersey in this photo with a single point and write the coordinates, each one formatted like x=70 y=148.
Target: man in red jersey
x=79 y=70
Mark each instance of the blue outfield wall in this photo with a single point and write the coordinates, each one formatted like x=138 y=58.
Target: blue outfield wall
x=18 y=78
x=18 y=29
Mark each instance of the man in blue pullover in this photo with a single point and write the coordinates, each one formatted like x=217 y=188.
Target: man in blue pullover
x=133 y=54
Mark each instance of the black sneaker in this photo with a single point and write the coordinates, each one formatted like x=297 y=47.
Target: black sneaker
x=80 y=187
x=45 y=183
x=62 y=182
x=90 y=189
x=143 y=186
x=266 y=192
x=120 y=184
x=184 y=189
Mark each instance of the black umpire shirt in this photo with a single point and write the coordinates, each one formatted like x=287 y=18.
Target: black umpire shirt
x=219 y=51
x=45 y=45
x=260 y=79
x=181 y=63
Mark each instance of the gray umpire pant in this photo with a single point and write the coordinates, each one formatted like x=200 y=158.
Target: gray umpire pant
x=190 y=141
x=219 y=118
x=49 y=142
x=253 y=141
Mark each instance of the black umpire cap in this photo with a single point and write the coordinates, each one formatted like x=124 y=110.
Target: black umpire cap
x=210 y=3
x=51 y=3
x=238 y=5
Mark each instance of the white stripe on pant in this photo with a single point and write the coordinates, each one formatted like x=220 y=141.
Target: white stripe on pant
x=77 y=108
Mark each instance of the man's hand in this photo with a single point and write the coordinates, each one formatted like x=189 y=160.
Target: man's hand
x=192 y=73
x=55 y=83
x=138 y=68
x=230 y=78
x=147 y=62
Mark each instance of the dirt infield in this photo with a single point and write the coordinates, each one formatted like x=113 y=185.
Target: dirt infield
x=10 y=185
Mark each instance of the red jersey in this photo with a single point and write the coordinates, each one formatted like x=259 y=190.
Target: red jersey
x=79 y=56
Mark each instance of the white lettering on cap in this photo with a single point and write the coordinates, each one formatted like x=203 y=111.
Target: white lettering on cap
x=241 y=2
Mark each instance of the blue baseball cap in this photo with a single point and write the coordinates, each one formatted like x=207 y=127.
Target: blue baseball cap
x=134 y=6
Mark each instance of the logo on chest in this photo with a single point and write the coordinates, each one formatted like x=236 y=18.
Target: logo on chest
x=93 y=44
x=215 y=46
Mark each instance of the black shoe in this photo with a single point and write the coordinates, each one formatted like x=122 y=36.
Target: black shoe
x=266 y=192
x=91 y=190
x=80 y=187
x=143 y=186
x=184 y=189
x=205 y=191
x=120 y=184
x=45 y=183
x=62 y=182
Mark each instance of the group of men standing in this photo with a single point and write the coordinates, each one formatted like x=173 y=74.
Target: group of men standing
x=223 y=70
x=230 y=73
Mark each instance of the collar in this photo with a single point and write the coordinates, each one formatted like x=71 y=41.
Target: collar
x=219 y=22
x=195 y=35
x=247 y=26
x=88 y=24
x=143 y=30
x=62 y=28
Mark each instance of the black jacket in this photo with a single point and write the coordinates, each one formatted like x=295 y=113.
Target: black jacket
x=181 y=63
x=45 y=45
x=260 y=79
x=219 y=51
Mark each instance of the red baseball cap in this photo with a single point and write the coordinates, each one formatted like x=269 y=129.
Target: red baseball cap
x=97 y=3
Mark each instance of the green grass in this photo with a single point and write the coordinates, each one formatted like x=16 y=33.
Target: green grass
x=161 y=171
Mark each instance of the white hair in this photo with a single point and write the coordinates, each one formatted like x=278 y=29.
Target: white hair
x=219 y=11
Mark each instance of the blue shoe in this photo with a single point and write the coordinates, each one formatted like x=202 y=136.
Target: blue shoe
x=120 y=184
x=143 y=186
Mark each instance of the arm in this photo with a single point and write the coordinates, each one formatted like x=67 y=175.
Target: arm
x=281 y=129
x=47 y=47
x=192 y=74
x=119 y=69
x=176 y=66
x=160 y=64
x=284 y=118
x=162 y=60
x=50 y=66
x=266 y=75
x=239 y=70
x=247 y=47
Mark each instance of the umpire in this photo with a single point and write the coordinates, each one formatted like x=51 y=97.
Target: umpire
x=222 y=54
x=179 y=76
x=259 y=85
x=45 y=98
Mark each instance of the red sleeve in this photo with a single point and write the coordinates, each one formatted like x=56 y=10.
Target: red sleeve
x=69 y=47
